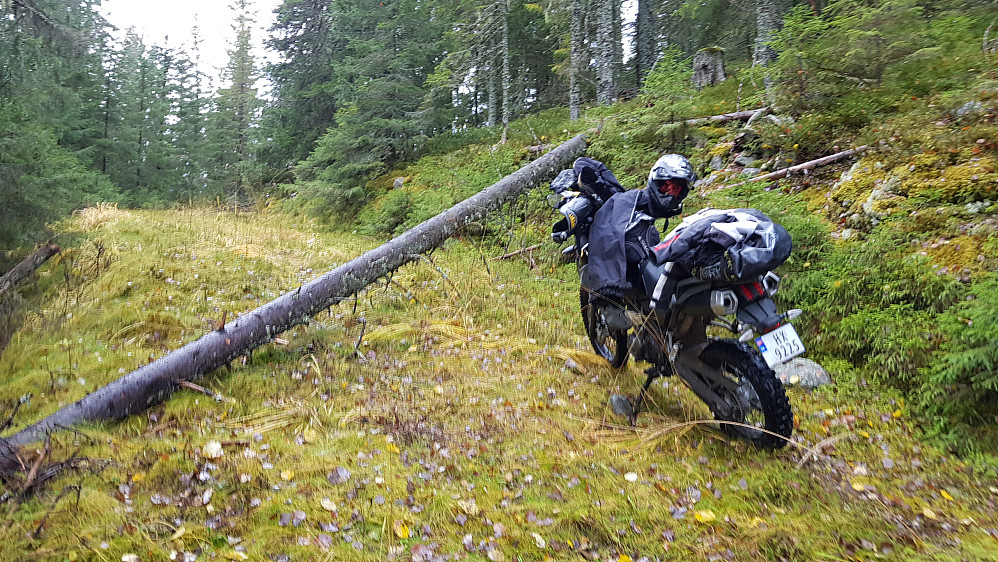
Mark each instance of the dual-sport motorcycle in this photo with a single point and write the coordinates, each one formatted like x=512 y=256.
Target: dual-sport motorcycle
x=686 y=284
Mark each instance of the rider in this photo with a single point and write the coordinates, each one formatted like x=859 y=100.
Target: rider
x=623 y=232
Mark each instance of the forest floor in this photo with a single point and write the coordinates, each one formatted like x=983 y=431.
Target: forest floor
x=454 y=412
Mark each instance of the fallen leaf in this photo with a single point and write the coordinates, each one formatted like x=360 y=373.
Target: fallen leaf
x=945 y=494
x=338 y=476
x=928 y=513
x=539 y=540
x=212 y=450
x=138 y=477
x=631 y=477
x=401 y=530
x=178 y=533
x=858 y=486
x=327 y=504
x=469 y=507
x=287 y=475
x=705 y=516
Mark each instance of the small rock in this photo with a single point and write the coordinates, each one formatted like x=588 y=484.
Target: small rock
x=803 y=373
x=398 y=183
x=969 y=108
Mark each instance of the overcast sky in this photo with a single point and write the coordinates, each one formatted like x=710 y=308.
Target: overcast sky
x=169 y=24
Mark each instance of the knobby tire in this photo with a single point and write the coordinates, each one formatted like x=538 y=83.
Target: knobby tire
x=614 y=347
x=745 y=363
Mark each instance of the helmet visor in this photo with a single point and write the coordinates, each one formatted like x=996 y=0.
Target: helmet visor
x=670 y=186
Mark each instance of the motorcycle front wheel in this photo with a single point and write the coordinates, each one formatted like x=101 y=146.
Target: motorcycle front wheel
x=609 y=343
x=759 y=410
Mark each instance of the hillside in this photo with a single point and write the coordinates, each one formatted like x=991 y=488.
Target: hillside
x=454 y=411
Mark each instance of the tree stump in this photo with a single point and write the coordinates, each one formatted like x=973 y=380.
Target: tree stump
x=708 y=67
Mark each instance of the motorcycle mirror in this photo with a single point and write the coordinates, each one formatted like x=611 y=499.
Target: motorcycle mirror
x=793 y=313
x=746 y=336
x=554 y=200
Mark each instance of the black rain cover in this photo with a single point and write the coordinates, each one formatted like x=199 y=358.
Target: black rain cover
x=596 y=178
x=726 y=244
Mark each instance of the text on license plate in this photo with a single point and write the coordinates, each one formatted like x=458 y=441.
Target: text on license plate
x=780 y=345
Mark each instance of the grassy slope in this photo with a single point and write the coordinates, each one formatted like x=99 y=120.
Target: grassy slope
x=475 y=425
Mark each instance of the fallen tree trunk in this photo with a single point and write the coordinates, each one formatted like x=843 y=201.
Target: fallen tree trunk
x=805 y=166
x=724 y=118
x=23 y=270
x=155 y=381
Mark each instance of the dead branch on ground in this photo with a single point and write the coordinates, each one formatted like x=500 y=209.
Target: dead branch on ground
x=805 y=166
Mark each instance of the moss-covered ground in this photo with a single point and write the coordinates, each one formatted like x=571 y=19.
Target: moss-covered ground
x=455 y=412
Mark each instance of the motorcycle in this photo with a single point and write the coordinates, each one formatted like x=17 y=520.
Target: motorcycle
x=670 y=310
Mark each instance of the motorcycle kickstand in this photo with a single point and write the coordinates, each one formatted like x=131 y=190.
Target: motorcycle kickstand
x=653 y=373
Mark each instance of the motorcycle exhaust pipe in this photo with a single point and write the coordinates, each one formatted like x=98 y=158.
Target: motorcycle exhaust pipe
x=723 y=302
x=718 y=302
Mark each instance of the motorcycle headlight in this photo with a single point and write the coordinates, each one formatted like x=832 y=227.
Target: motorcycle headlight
x=577 y=211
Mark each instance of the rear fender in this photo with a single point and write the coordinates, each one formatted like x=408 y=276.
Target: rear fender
x=761 y=314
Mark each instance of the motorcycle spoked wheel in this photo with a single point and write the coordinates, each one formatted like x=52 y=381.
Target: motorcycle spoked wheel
x=608 y=343
x=760 y=402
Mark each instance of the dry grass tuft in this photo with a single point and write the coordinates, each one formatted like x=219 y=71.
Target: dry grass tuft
x=92 y=218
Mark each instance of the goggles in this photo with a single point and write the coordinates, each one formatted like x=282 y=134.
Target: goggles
x=670 y=187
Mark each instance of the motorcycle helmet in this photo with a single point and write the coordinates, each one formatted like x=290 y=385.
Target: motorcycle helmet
x=669 y=183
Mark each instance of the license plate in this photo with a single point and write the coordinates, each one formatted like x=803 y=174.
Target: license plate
x=780 y=345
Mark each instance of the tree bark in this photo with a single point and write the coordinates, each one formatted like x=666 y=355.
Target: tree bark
x=575 y=68
x=831 y=158
x=507 y=74
x=767 y=22
x=708 y=67
x=605 y=87
x=645 y=41
x=155 y=381
x=21 y=271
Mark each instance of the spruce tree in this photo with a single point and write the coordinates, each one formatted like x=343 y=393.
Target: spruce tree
x=234 y=114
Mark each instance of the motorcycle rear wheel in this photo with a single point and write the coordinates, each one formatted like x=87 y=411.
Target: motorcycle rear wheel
x=609 y=343
x=760 y=411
